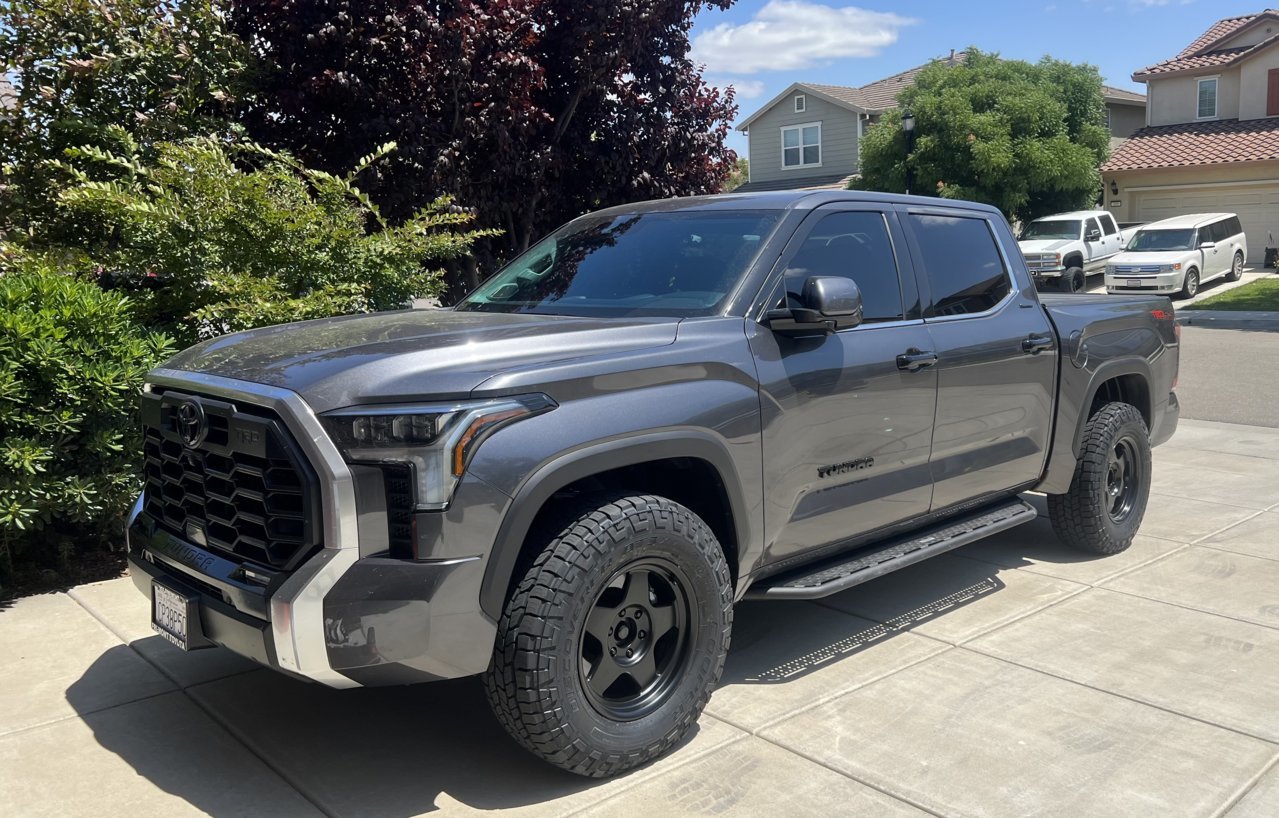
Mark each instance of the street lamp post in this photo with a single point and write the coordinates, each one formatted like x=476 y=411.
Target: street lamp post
x=908 y=128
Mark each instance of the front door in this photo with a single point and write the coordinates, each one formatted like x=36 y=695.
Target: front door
x=997 y=357
x=847 y=428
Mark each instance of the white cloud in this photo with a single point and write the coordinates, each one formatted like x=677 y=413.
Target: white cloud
x=747 y=89
x=791 y=34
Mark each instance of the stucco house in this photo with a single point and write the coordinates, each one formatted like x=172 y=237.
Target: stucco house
x=1211 y=141
x=807 y=136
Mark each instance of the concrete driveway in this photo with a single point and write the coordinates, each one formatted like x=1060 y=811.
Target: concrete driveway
x=1012 y=677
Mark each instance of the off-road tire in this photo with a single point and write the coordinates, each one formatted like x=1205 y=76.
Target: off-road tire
x=1072 y=280
x=536 y=685
x=1236 y=268
x=1189 y=284
x=1082 y=516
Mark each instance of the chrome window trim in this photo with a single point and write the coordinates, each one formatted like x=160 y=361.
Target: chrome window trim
x=297 y=608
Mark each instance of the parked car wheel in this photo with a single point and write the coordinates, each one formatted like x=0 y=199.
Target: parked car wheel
x=1236 y=268
x=1190 y=284
x=1072 y=280
x=1102 y=510
x=613 y=641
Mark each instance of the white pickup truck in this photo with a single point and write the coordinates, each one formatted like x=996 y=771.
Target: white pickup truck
x=1064 y=248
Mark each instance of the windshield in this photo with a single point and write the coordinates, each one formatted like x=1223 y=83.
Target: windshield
x=1156 y=240
x=677 y=264
x=1052 y=230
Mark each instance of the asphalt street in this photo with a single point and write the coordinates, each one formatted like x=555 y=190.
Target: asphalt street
x=1230 y=376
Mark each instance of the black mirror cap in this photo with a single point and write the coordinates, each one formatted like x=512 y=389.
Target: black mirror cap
x=834 y=297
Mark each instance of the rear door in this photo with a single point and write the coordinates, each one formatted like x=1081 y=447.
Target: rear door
x=1217 y=257
x=997 y=355
x=1111 y=240
x=847 y=426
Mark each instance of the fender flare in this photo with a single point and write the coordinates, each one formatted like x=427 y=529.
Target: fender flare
x=1106 y=372
x=574 y=465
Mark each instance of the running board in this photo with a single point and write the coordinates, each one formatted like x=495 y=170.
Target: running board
x=832 y=576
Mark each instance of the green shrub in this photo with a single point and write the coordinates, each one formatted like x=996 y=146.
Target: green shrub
x=237 y=236
x=72 y=361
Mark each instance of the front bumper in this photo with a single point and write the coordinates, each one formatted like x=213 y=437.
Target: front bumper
x=1161 y=284
x=341 y=617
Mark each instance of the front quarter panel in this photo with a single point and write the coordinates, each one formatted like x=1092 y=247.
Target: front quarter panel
x=697 y=398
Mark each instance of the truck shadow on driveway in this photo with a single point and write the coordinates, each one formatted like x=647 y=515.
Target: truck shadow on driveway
x=393 y=752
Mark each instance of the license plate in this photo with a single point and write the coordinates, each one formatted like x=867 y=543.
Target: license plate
x=1135 y=282
x=170 y=614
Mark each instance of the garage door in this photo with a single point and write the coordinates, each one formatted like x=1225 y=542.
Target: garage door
x=1256 y=205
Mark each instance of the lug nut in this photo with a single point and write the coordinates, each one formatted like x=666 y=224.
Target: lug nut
x=612 y=651
x=639 y=613
x=642 y=634
x=630 y=652
x=622 y=614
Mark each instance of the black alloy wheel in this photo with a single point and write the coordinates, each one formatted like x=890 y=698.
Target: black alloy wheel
x=635 y=641
x=1123 y=477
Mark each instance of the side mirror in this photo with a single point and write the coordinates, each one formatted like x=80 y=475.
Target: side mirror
x=1207 y=245
x=1092 y=235
x=828 y=303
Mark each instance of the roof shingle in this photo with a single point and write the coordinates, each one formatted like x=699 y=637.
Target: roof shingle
x=1197 y=143
x=1219 y=31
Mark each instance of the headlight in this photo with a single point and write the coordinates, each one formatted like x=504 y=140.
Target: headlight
x=436 y=440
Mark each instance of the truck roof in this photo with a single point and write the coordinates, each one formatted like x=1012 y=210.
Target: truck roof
x=1074 y=214
x=790 y=200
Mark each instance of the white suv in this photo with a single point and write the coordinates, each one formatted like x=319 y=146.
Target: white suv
x=1176 y=255
x=1062 y=249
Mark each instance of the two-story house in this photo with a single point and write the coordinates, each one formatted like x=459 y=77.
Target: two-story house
x=807 y=136
x=1211 y=141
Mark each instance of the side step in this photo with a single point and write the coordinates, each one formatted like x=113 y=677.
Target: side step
x=845 y=571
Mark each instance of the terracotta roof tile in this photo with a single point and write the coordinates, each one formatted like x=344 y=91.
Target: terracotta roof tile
x=1217 y=31
x=1197 y=143
x=1119 y=94
x=1207 y=60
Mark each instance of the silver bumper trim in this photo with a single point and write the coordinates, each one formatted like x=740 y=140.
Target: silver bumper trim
x=297 y=608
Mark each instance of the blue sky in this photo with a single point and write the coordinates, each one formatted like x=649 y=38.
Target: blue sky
x=762 y=46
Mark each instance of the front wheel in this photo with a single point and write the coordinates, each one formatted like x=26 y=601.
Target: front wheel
x=1190 y=284
x=1102 y=510
x=1072 y=280
x=1236 y=268
x=612 y=643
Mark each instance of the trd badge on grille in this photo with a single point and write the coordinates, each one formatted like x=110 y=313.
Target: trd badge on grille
x=190 y=423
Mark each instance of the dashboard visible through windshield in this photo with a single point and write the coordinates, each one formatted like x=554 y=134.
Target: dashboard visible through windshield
x=678 y=264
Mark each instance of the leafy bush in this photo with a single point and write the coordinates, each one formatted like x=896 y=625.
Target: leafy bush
x=71 y=363
x=237 y=236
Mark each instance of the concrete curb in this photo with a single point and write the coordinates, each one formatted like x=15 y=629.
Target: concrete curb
x=1229 y=319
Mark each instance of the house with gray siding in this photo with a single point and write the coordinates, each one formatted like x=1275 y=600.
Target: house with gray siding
x=807 y=137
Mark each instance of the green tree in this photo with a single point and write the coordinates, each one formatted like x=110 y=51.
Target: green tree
x=87 y=70
x=1026 y=138
x=215 y=238
x=741 y=173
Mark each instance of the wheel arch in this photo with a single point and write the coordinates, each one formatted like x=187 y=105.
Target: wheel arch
x=639 y=463
x=1125 y=381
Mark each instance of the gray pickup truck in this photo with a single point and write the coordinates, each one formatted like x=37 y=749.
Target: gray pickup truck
x=565 y=482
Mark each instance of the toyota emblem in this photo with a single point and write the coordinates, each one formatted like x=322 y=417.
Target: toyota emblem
x=191 y=426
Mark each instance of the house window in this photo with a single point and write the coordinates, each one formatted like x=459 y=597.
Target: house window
x=1207 y=99
x=1272 y=92
x=802 y=145
x=1108 y=117
x=801 y=103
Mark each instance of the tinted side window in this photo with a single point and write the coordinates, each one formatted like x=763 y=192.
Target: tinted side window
x=1221 y=230
x=965 y=270
x=1235 y=227
x=856 y=245
x=1090 y=226
x=1108 y=225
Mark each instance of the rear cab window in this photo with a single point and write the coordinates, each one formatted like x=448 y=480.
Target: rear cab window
x=964 y=268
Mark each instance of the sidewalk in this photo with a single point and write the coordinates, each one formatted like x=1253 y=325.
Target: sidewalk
x=1012 y=677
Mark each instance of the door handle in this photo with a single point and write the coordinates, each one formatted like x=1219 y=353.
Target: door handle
x=1036 y=343
x=913 y=360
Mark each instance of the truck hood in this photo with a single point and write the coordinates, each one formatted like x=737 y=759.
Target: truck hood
x=405 y=355
x=1045 y=245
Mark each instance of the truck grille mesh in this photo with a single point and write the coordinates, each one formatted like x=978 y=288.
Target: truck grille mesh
x=244 y=489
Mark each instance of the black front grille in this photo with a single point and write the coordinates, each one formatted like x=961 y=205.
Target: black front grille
x=232 y=480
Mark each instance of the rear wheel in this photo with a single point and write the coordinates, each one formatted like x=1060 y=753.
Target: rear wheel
x=1190 y=284
x=1103 y=508
x=1236 y=268
x=612 y=643
x=1072 y=280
